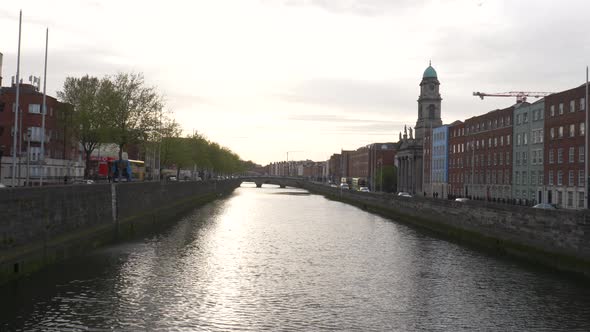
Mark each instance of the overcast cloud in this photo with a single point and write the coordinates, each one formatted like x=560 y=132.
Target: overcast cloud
x=263 y=77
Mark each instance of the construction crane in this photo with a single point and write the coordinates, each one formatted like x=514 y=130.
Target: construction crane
x=520 y=95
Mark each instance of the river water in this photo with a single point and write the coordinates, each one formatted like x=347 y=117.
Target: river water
x=284 y=260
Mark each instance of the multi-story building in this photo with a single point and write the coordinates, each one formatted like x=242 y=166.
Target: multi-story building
x=427 y=162
x=489 y=137
x=457 y=159
x=528 y=127
x=335 y=168
x=439 y=163
x=565 y=153
x=62 y=153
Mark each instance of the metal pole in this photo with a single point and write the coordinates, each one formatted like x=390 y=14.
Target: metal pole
x=586 y=141
x=44 y=111
x=15 y=135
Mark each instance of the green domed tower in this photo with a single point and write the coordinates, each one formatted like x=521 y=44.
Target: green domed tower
x=429 y=103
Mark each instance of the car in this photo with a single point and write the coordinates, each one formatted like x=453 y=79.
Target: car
x=544 y=206
x=461 y=199
x=2 y=185
x=364 y=189
x=344 y=186
x=403 y=193
x=172 y=178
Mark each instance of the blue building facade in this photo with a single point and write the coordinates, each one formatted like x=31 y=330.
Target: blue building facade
x=439 y=164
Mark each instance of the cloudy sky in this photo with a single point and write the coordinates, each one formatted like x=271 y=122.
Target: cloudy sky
x=264 y=77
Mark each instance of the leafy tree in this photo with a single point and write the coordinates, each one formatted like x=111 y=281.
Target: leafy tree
x=386 y=178
x=88 y=121
x=134 y=109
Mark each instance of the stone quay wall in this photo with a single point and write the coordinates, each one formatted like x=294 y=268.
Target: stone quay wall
x=39 y=226
x=559 y=239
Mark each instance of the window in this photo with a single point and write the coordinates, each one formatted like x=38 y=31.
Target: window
x=524 y=178
x=525 y=117
x=560 y=155
x=524 y=157
x=580 y=199
x=525 y=138
x=501 y=140
x=551 y=156
x=495 y=159
x=534 y=159
x=582 y=129
x=572 y=130
x=507 y=158
x=507 y=139
x=518 y=139
x=552 y=110
x=517 y=159
x=535 y=115
x=580 y=178
x=550 y=178
x=540 y=156
x=508 y=120
x=560 y=132
x=581 y=153
x=570 y=178
x=501 y=159
x=516 y=178
x=506 y=176
x=35 y=108
x=559 y=178
x=518 y=119
x=541 y=134
x=582 y=104
x=559 y=197
x=572 y=105
x=560 y=108
x=533 y=178
x=495 y=141
x=552 y=133
x=570 y=199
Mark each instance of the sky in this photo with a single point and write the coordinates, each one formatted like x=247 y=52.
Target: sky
x=305 y=77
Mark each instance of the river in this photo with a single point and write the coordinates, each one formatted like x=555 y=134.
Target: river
x=284 y=260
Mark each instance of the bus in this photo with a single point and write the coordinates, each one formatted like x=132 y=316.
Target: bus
x=132 y=170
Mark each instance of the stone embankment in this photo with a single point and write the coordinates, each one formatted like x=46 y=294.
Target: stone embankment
x=39 y=226
x=556 y=238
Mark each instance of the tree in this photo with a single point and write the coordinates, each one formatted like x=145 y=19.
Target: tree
x=88 y=121
x=386 y=178
x=134 y=109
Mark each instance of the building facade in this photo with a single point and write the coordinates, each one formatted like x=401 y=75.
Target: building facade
x=440 y=140
x=565 y=155
x=528 y=133
x=62 y=154
x=457 y=159
x=410 y=156
x=489 y=137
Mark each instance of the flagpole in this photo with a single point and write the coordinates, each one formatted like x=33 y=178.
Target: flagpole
x=15 y=136
x=586 y=141
x=44 y=110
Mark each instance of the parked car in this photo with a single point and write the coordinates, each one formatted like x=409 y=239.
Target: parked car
x=364 y=189
x=545 y=206
x=404 y=194
x=344 y=186
x=2 y=185
x=172 y=178
x=461 y=199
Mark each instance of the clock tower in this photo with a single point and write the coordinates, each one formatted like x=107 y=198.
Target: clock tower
x=429 y=103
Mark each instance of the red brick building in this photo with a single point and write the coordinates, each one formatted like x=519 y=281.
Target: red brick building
x=60 y=145
x=457 y=159
x=564 y=148
x=489 y=137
